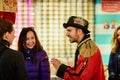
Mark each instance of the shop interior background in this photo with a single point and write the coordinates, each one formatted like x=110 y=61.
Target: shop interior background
x=47 y=18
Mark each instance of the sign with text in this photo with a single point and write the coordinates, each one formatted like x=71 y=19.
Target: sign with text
x=111 y=5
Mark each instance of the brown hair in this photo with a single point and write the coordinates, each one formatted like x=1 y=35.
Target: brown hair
x=5 y=26
x=115 y=43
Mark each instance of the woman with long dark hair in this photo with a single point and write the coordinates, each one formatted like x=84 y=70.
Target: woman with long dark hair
x=35 y=56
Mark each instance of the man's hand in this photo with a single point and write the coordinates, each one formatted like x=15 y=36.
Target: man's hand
x=56 y=63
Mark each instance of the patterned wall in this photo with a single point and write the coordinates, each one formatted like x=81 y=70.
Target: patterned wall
x=47 y=18
x=105 y=23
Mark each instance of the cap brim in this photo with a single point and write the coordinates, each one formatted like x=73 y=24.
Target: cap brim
x=65 y=25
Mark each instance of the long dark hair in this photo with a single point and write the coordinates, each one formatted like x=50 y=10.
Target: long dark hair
x=22 y=39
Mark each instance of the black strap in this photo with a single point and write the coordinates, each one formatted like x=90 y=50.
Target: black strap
x=84 y=65
x=76 y=57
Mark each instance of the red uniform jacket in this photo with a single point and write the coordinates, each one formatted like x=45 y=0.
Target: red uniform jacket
x=89 y=65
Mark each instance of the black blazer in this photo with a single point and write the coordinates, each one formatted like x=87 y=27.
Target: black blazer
x=12 y=65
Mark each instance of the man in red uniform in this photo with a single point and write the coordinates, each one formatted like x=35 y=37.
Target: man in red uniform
x=88 y=62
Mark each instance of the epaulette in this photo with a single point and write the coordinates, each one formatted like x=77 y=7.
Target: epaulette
x=87 y=48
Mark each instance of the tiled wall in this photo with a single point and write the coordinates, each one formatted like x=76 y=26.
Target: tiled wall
x=47 y=18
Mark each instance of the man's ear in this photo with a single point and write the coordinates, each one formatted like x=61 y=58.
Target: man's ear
x=80 y=31
x=6 y=35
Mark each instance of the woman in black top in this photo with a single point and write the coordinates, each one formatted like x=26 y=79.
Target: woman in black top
x=12 y=65
x=114 y=61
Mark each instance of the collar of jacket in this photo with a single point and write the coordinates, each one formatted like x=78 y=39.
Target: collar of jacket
x=4 y=43
x=86 y=39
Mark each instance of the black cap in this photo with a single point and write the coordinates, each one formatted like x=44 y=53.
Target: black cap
x=77 y=22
